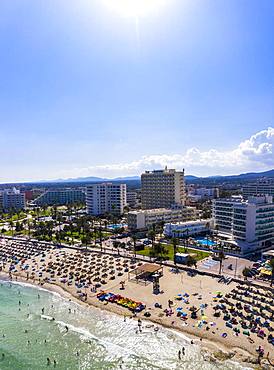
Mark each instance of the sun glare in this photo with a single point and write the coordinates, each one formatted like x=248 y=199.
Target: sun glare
x=135 y=8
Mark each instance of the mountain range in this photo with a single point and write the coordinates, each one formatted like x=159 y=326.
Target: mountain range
x=189 y=178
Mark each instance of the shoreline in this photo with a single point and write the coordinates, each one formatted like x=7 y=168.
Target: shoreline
x=217 y=350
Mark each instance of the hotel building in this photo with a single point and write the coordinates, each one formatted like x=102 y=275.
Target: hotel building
x=246 y=224
x=13 y=200
x=259 y=188
x=188 y=228
x=106 y=198
x=144 y=219
x=60 y=197
x=162 y=189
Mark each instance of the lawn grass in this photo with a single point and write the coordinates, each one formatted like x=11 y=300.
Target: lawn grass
x=199 y=255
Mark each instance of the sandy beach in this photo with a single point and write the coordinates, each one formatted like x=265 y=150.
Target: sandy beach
x=81 y=276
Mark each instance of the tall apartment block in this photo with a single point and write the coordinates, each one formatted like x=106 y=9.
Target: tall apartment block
x=163 y=189
x=106 y=198
x=247 y=224
x=13 y=200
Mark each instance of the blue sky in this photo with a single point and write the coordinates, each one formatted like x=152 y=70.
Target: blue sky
x=85 y=91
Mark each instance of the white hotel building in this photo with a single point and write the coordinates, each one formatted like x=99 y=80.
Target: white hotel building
x=247 y=224
x=106 y=198
x=144 y=219
x=189 y=228
x=13 y=200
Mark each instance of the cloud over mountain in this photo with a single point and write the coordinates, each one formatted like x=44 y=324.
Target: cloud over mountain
x=255 y=153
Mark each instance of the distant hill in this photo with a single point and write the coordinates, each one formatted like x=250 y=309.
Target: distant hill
x=79 y=179
x=242 y=178
x=95 y=179
x=188 y=178
x=135 y=181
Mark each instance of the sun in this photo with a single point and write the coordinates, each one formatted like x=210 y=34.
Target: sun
x=135 y=8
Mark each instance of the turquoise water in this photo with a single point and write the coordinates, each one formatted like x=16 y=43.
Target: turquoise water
x=102 y=340
x=116 y=226
x=205 y=242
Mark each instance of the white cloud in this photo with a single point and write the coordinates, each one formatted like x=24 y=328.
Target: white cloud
x=253 y=154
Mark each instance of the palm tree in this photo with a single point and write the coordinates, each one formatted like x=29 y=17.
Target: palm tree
x=38 y=213
x=246 y=272
x=175 y=245
x=95 y=235
x=271 y=263
x=191 y=261
x=186 y=238
x=215 y=233
x=134 y=239
x=100 y=236
x=151 y=235
x=12 y=226
x=221 y=257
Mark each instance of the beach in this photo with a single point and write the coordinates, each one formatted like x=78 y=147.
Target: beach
x=95 y=339
x=52 y=269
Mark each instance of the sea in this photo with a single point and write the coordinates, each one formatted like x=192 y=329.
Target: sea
x=38 y=327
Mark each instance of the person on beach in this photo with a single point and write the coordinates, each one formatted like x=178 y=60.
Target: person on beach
x=179 y=355
x=66 y=327
x=43 y=310
x=140 y=325
x=183 y=351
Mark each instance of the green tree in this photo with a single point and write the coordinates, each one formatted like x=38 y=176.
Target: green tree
x=246 y=272
x=11 y=227
x=175 y=246
x=191 y=261
x=134 y=239
x=221 y=257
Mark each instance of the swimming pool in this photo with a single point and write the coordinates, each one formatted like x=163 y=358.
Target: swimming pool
x=116 y=226
x=205 y=242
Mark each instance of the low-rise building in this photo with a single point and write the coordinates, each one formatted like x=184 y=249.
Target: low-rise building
x=246 y=224
x=60 y=197
x=188 y=228
x=144 y=219
x=199 y=194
